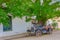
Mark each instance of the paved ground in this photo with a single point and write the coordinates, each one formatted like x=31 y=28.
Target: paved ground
x=54 y=36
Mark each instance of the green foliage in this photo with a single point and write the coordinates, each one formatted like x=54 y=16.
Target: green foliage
x=54 y=24
x=20 y=8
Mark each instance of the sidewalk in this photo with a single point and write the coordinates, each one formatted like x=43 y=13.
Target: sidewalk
x=17 y=36
x=13 y=37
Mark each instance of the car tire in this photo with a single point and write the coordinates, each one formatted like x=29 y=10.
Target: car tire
x=38 y=33
x=50 y=31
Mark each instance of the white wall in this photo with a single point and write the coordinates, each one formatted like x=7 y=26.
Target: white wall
x=18 y=26
x=1 y=30
x=55 y=0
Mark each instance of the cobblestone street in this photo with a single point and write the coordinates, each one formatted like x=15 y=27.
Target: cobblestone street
x=54 y=36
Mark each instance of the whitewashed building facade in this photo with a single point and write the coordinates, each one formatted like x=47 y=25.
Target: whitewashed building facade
x=18 y=26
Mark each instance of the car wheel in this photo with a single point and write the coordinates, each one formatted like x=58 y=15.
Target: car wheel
x=50 y=31
x=38 y=33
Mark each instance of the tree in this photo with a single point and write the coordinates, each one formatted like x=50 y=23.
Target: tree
x=45 y=11
x=20 y=8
